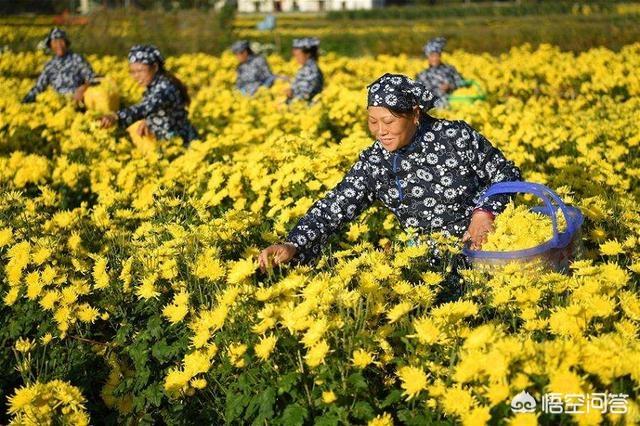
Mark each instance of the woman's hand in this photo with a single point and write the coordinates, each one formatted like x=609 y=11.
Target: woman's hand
x=108 y=120
x=276 y=254
x=445 y=87
x=143 y=129
x=481 y=224
x=78 y=95
x=288 y=92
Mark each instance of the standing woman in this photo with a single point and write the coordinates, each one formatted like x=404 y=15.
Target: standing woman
x=67 y=72
x=164 y=102
x=439 y=78
x=309 y=81
x=429 y=172
x=253 y=70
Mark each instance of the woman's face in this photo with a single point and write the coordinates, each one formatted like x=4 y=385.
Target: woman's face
x=59 y=46
x=142 y=73
x=434 y=58
x=393 y=131
x=242 y=56
x=300 y=56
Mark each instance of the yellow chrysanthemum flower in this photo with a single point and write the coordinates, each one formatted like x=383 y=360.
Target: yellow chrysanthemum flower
x=414 y=380
x=362 y=358
x=264 y=348
x=384 y=419
x=328 y=397
x=316 y=354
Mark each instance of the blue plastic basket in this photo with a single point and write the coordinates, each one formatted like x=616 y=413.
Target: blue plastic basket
x=555 y=254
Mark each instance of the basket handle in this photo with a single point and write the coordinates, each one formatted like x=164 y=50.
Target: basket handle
x=546 y=195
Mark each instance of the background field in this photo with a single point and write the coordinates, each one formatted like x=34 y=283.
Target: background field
x=492 y=28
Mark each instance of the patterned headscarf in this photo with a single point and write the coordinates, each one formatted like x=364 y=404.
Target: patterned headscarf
x=240 y=46
x=54 y=34
x=306 y=42
x=145 y=54
x=398 y=92
x=435 y=45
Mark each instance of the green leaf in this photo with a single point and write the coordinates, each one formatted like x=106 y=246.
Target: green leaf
x=122 y=335
x=393 y=397
x=147 y=419
x=328 y=419
x=138 y=353
x=363 y=411
x=294 y=415
x=357 y=381
x=267 y=401
x=162 y=351
x=154 y=326
x=142 y=378
x=412 y=418
x=235 y=406
x=154 y=394
x=252 y=407
x=287 y=382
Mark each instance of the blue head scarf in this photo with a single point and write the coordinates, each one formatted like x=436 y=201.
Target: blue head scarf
x=398 y=92
x=435 y=45
x=306 y=43
x=55 y=34
x=146 y=54
x=240 y=46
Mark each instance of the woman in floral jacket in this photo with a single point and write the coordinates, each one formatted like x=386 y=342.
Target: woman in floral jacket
x=253 y=70
x=309 y=80
x=68 y=72
x=439 y=78
x=164 y=102
x=429 y=172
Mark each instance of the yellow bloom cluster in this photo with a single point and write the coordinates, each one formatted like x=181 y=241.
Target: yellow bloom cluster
x=54 y=402
x=518 y=228
x=153 y=254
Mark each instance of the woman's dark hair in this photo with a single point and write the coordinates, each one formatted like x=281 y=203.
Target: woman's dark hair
x=396 y=112
x=67 y=43
x=312 y=51
x=182 y=88
x=403 y=113
x=249 y=51
x=424 y=116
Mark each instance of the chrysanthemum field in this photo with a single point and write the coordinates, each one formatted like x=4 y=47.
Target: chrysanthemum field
x=130 y=291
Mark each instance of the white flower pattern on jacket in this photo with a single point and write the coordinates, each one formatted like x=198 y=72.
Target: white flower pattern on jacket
x=433 y=77
x=65 y=74
x=252 y=74
x=164 y=110
x=433 y=184
x=308 y=81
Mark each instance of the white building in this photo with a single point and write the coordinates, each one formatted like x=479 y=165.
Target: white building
x=270 y=6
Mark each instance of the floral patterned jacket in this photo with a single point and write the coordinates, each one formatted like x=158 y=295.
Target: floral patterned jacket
x=308 y=82
x=432 y=184
x=253 y=74
x=164 y=110
x=433 y=77
x=65 y=74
